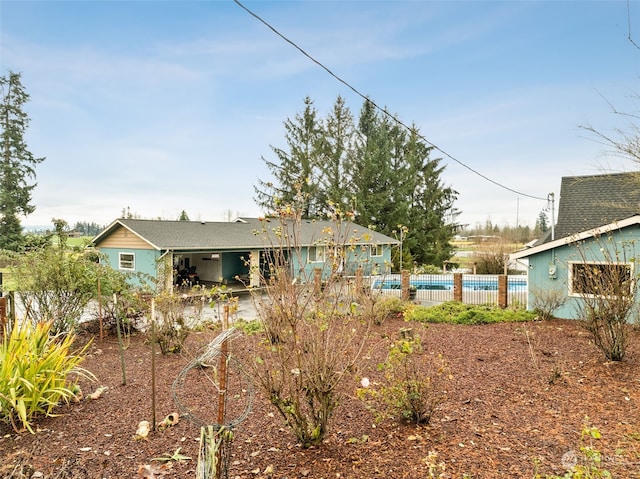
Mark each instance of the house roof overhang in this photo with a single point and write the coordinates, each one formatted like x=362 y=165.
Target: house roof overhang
x=593 y=232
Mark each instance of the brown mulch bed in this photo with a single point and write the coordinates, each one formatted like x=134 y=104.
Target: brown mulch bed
x=517 y=403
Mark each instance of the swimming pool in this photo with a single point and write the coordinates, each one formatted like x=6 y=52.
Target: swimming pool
x=445 y=283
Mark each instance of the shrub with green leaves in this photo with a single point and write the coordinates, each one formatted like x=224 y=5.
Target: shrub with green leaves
x=377 y=308
x=587 y=462
x=37 y=372
x=454 y=312
x=414 y=382
x=387 y=307
x=429 y=269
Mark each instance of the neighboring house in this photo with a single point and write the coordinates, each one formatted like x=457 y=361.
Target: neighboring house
x=220 y=252
x=598 y=216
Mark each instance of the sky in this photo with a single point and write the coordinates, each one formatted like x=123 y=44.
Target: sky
x=155 y=107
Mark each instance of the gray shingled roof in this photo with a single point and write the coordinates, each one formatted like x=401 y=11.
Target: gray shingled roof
x=588 y=202
x=238 y=235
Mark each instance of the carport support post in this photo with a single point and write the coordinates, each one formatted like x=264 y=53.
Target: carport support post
x=457 y=287
x=502 y=291
x=254 y=268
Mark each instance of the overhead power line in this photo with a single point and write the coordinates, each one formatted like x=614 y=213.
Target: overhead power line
x=629 y=25
x=384 y=111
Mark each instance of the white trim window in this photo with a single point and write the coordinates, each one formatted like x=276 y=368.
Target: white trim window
x=377 y=250
x=600 y=279
x=316 y=254
x=127 y=261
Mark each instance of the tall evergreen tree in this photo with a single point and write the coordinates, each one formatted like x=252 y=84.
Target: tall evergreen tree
x=295 y=171
x=377 y=168
x=542 y=223
x=433 y=217
x=335 y=165
x=373 y=171
x=17 y=163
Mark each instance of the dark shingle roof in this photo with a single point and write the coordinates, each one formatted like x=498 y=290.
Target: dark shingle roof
x=240 y=234
x=588 y=202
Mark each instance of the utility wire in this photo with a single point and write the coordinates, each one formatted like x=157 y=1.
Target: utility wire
x=629 y=25
x=384 y=111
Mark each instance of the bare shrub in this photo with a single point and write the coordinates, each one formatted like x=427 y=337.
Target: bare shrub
x=171 y=331
x=490 y=258
x=313 y=333
x=129 y=308
x=605 y=281
x=546 y=301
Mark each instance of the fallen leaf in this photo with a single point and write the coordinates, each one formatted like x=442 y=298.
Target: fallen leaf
x=148 y=471
x=143 y=430
x=97 y=393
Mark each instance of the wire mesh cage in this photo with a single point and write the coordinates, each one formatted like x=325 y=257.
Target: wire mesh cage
x=217 y=414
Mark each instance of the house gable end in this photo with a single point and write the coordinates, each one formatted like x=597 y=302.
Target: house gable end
x=124 y=238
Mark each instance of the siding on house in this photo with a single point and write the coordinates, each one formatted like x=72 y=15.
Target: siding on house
x=590 y=248
x=123 y=238
x=145 y=259
x=355 y=258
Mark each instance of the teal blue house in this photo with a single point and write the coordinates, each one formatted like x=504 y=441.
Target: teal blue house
x=598 y=227
x=169 y=252
x=556 y=267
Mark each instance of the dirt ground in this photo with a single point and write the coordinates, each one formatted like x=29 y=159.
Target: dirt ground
x=515 y=408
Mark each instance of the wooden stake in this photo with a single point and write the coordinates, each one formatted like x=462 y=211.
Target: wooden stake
x=153 y=363
x=100 y=308
x=120 y=346
x=222 y=386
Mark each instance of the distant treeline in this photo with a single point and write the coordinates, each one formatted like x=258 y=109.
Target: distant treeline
x=87 y=229
x=81 y=228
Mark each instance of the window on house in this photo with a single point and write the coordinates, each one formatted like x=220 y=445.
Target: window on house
x=377 y=250
x=600 y=279
x=127 y=261
x=316 y=254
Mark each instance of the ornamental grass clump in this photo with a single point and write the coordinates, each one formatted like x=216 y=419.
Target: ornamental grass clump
x=37 y=373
